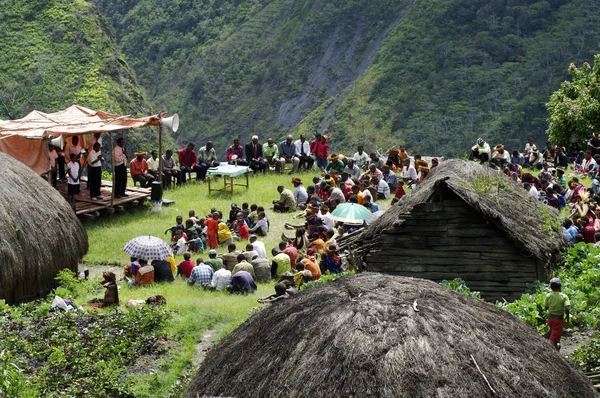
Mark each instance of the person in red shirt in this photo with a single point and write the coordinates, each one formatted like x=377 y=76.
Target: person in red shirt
x=400 y=192
x=291 y=251
x=138 y=167
x=186 y=266
x=587 y=230
x=187 y=162
x=212 y=224
x=320 y=148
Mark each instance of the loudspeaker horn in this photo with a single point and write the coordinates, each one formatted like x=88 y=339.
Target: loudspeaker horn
x=57 y=142
x=171 y=122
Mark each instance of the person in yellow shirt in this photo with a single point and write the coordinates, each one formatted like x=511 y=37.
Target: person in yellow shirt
x=558 y=305
x=224 y=234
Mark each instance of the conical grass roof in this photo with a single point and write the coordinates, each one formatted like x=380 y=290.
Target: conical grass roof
x=372 y=335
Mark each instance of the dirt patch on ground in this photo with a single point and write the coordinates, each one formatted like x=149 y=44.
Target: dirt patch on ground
x=202 y=348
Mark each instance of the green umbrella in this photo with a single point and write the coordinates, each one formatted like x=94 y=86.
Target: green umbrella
x=350 y=213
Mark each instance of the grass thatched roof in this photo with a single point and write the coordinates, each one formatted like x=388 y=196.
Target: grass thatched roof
x=40 y=233
x=528 y=223
x=360 y=336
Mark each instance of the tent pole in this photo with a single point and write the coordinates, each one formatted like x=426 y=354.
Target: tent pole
x=112 y=157
x=160 y=153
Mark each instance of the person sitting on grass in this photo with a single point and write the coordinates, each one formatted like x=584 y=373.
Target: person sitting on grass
x=185 y=267
x=243 y=265
x=331 y=263
x=558 y=305
x=214 y=261
x=310 y=264
x=242 y=282
x=240 y=227
x=131 y=269
x=286 y=202
x=162 y=271
x=144 y=275
x=261 y=228
x=230 y=258
x=174 y=228
x=258 y=246
x=179 y=245
x=301 y=276
x=280 y=294
x=201 y=275
x=221 y=278
x=262 y=269
x=281 y=263
x=196 y=244
x=250 y=253
x=224 y=234
x=317 y=244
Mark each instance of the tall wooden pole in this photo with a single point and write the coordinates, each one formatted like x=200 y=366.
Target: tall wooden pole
x=160 y=153
x=112 y=157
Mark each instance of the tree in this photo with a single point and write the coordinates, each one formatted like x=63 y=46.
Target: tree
x=574 y=110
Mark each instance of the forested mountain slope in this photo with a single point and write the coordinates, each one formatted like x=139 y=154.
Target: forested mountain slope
x=58 y=53
x=435 y=74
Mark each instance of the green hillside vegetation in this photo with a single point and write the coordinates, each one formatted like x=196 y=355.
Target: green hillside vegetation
x=434 y=74
x=58 y=53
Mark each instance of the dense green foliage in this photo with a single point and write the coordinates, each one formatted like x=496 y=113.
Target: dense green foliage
x=587 y=357
x=458 y=285
x=325 y=279
x=434 y=74
x=76 y=353
x=580 y=278
x=574 y=109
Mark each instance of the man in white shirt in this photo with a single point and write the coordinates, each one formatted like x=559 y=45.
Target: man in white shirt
x=153 y=164
x=74 y=147
x=409 y=173
x=361 y=159
x=89 y=144
x=120 y=157
x=221 y=278
x=383 y=189
x=326 y=217
x=94 y=161
x=303 y=153
x=531 y=190
x=500 y=157
x=352 y=169
x=300 y=194
x=588 y=165
x=258 y=246
x=52 y=156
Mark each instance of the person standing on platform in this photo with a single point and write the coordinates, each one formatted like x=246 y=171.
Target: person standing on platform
x=120 y=157
x=303 y=153
x=89 y=144
x=74 y=173
x=207 y=157
x=94 y=161
x=187 y=162
x=254 y=155
x=138 y=168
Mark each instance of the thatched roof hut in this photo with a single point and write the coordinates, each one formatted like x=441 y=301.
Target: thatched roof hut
x=464 y=220
x=40 y=233
x=363 y=336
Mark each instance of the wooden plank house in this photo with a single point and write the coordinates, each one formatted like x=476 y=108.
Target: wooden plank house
x=464 y=221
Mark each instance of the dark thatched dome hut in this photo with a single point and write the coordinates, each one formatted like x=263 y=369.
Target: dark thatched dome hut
x=464 y=221
x=40 y=234
x=361 y=336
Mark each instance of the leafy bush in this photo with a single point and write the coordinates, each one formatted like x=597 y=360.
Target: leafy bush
x=587 y=357
x=458 y=285
x=12 y=381
x=73 y=287
x=78 y=353
x=580 y=276
x=325 y=279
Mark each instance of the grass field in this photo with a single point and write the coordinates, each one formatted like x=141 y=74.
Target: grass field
x=195 y=310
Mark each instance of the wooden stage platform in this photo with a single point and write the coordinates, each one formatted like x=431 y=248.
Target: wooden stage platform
x=86 y=206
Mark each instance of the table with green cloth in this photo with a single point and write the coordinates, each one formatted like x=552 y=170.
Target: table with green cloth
x=229 y=172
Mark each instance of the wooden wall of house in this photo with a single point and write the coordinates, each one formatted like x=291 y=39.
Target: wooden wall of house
x=450 y=239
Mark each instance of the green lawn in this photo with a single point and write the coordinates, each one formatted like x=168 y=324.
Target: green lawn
x=195 y=310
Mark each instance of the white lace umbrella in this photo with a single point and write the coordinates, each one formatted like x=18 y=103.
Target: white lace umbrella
x=148 y=248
